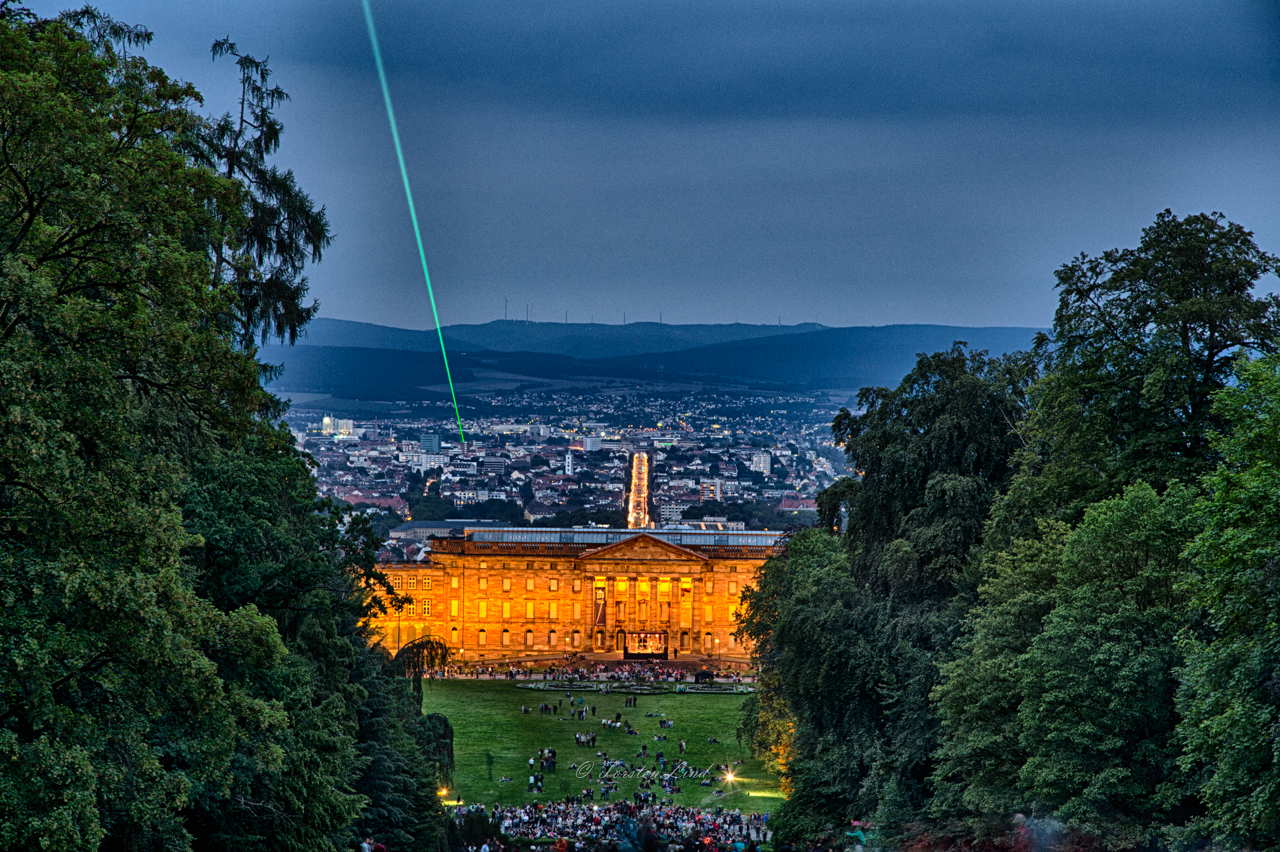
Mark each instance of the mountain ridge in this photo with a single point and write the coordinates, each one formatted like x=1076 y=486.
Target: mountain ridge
x=579 y=340
x=829 y=358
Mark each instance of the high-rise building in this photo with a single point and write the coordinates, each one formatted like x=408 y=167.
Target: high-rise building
x=591 y=444
x=711 y=489
x=346 y=428
x=762 y=462
x=430 y=443
x=326 y=425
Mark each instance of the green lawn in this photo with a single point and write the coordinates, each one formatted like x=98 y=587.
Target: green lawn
x=492 y=738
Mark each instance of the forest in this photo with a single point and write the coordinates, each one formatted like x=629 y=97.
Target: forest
x=1048 y=607
x=183 y=657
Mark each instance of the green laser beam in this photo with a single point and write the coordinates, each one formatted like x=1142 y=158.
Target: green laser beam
x=413 y=213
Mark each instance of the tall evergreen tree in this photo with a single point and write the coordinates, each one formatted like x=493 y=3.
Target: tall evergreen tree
x=113 y=715
x=184 y=660
x=277 y=228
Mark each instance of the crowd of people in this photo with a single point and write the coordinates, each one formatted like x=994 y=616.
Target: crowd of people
x=629 y=825
x=575 y=668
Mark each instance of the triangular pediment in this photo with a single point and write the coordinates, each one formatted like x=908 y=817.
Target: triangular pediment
x=644 y=547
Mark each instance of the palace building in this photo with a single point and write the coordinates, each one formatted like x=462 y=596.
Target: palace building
x=643 y=594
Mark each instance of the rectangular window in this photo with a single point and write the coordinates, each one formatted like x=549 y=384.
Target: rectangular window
x=733 y=587
x=551 y=638
x=426 y=584
x=506 y=565
x=642 y=588
x=577 y=585
x=506 y=638
x=664 y=611
x=528 y=610
x=733 y=641
x=709 y=587
x=453 y=582
x=529 y=566
x=506 y=584
x=506 y=609
x=482 y=639
x=413 y=582
x=664 y=589
x=622 y=612
x=621 y=587
x=483 y=565
x=397 y=582
x=577 y=639
x=410 y=609
x=577 y=611
x=484 y=583
x=483 y=609
x=528 y=584
x=707 y=616
x=426 y=607
x=553 y=611
x=453 y=608
x=552 y=566
x=555 y=584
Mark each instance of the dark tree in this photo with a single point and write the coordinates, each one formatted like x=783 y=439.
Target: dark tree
x=278 y=229
x=1142 y=341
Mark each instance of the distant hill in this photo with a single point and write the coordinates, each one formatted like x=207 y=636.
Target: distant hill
x=578 y=340
x=358 y=373
x=832 y=358
x=844 y=358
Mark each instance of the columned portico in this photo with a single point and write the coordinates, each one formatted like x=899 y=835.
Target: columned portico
x=526 y=593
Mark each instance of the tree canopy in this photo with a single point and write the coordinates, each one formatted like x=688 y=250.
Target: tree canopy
x=1030 y=611
x=184 y=653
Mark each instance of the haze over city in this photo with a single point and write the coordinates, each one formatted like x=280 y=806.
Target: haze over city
x=841 y=163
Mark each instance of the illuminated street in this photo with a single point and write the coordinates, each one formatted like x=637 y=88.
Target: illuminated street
x=638 y=500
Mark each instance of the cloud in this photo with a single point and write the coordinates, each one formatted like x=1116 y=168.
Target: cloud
x=701 y=60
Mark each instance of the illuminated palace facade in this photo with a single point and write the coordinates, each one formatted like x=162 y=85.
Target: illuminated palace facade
x=642 y=594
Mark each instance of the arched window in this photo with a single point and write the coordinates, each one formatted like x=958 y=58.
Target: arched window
x=408 y=634
x=733 y=641
x=684 y=640
x=395 y=635
x=620 y=641
x=706 y=642
x=482 y=638
x=600 y=639
x=506 y=638
x=577 y=639
x=528 y=638
x=453 y=636
x=551 y=638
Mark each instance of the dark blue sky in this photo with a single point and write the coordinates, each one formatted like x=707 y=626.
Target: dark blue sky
x=850 y=163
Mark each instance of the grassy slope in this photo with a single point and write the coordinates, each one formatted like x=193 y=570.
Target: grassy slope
x=487 y=722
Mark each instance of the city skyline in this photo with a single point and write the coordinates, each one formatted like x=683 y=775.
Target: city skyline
x=706 y=162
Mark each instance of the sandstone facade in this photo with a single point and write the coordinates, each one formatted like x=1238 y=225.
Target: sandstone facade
x=642 y=595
